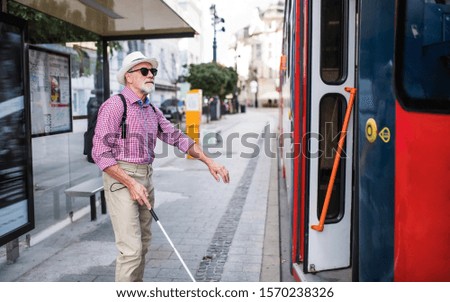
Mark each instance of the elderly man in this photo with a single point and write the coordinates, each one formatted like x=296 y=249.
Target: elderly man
x=125 y=152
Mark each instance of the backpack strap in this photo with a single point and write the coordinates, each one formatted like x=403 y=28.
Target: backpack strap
x=123 y=124
x=154 y=110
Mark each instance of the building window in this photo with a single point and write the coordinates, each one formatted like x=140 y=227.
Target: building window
x=174 y=66
x=149 y=50
x=75 y=103
x=258 y=51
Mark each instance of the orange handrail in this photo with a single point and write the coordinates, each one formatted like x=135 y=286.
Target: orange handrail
x=337 y=160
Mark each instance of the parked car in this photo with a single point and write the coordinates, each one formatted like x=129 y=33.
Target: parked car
x=173 y=109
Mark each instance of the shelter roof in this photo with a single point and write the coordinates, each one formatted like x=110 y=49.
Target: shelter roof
x=119 y=19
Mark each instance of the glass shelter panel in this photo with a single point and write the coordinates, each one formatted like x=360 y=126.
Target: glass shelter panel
x=16 y=199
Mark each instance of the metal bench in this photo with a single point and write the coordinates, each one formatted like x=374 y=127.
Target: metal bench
x=55 y=187
x=89 y=188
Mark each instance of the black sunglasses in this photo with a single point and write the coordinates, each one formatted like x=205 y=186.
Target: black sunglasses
x=144 y=71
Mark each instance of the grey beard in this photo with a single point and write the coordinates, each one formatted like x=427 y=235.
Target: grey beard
x=148 y=90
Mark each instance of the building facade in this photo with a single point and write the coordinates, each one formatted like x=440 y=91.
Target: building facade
x=257 y=52
x=57 y=159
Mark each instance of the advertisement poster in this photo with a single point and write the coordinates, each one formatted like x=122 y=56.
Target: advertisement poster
x=16 y=197
x=50 y=92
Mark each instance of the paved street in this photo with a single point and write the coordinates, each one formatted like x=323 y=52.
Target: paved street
x=224 y=232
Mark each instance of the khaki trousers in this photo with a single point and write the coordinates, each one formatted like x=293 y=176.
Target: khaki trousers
x=130 y=221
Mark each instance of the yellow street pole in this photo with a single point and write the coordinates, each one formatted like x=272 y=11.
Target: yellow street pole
x=194 y=114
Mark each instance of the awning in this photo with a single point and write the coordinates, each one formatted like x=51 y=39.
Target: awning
x=120 y=19
x=273 y=95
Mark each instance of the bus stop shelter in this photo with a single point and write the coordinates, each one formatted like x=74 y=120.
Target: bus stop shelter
x=109 y=20
x=114 y=20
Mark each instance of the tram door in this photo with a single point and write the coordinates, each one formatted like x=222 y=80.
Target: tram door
x=332 y=69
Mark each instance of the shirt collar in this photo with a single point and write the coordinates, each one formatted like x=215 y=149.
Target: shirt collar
x=132 y=97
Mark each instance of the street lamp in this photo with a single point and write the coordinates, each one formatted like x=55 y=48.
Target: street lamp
x=215 y=21
x=236 y=87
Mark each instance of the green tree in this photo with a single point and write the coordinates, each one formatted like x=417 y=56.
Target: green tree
x=214 y=79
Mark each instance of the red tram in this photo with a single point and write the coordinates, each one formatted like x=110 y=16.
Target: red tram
x=389 y=212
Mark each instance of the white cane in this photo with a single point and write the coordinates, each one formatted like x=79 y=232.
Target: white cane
x=171 y=243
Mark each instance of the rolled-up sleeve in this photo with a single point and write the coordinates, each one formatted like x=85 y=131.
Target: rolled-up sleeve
x=107 y=134
x=172 y=135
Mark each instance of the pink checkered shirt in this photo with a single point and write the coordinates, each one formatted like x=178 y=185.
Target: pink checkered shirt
x=142 y=132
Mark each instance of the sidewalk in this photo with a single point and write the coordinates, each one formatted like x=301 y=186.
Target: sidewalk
x=223 y=232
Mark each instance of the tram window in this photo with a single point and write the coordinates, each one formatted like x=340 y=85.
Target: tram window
x=422 y=56
x=332 y=110
x=290 y=29
x=333 y=50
